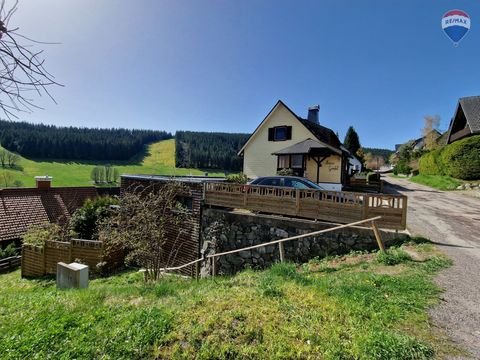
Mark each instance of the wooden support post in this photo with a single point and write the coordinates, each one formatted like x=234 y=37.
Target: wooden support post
x=282 y=252
x=213 y=267
x=378 y=236
x=297 y=201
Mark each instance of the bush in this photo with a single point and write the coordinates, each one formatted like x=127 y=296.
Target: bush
x=431 y=163
x=285 y=172
x=37 y=235
x=9 y=251
x=461 y=159
x=85 y=220
x=237 y=178
x=402 y=167
x=393 y=256
x=373 y=177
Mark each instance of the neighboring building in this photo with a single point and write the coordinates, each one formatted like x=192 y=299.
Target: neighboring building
x=419 y=144
x=21 y=208
x=355 y=165
x=466 y=121
x=284 y=140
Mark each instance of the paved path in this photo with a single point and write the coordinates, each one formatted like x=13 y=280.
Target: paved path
x=451 y=220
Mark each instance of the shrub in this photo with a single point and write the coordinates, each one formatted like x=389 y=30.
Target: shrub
x=430 y=163
x=9 y=251
x=37 y=235
x=373 y=177
x=85 y=220
x=461 y=159
x=393 y=256
x=402 y=167
x=285 y=172
x=237 y=178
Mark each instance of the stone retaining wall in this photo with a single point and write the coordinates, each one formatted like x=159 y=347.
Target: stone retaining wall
x=228 y=230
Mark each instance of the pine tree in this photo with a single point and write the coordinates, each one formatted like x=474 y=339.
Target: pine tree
x=352 y=142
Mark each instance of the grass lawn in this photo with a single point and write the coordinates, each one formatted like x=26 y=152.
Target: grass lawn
x=159 y=158
x=437 y=181
x=360 y=306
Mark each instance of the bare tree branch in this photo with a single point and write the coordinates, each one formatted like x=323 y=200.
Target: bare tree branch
x=22 y=70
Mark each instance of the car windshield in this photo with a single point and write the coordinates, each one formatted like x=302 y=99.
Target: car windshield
x=312 y=184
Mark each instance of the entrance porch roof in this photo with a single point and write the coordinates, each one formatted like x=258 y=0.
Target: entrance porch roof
x=309 y=147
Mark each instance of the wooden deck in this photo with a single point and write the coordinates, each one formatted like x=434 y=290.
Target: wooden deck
x=338 y=207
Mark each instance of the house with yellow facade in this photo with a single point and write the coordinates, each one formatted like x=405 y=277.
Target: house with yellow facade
x=284 y=140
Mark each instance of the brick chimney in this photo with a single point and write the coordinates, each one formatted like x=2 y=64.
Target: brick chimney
x=313 y=113
x=43 y=182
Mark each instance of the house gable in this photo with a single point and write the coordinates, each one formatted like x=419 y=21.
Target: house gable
x=257 y=151
x=466 y=120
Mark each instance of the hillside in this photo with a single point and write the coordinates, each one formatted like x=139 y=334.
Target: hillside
x=74 y=143
x=209 y=150
x=385 y=153
x=159 y=158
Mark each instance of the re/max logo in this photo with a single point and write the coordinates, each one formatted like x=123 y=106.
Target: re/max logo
x=456 y=21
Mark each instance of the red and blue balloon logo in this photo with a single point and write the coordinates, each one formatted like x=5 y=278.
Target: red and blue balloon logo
x=456 y=24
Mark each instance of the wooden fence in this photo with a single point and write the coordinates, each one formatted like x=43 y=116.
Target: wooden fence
x=10 y=263
x=39 y=261
x=362 y=185
x=338 y=207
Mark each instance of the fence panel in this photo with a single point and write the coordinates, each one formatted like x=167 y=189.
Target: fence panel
x=339 y=207
x=33 y=261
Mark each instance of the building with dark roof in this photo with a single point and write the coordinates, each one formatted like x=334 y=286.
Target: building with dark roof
x=466 y=120
x=284 y=140
x=20 y=208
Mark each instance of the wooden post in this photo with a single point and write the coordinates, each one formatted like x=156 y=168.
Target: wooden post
x=378 y=236
x=366 y=204
x=297 y=201
x=282 y=252
x=404 y=212
x=213 y=267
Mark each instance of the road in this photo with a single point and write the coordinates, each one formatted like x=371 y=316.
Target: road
x=452 y=220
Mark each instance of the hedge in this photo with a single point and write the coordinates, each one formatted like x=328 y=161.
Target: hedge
x=430 y=163
x=460 y=160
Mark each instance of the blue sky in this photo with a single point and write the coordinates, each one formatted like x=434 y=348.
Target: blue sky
x=220 y=65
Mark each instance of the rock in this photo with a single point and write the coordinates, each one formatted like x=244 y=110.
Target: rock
x=349 y=241
x=461 y=187
x=235 y=260
x=245 y=254
x=281 y=233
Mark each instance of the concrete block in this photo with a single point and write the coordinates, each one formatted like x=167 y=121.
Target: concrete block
x=72 y=275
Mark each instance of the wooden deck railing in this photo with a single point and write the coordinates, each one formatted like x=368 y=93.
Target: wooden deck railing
x=338 y=207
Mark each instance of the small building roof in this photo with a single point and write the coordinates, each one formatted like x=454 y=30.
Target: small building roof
x=23 y=207
x=306 y=147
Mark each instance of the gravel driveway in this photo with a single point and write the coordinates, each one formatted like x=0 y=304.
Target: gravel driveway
x=452 y=220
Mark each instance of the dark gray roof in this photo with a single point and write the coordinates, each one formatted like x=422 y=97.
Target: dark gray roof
x=187 y=179
x=471 y=109
x=305 y=147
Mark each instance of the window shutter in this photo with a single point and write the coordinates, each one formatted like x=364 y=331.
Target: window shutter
x=289 y=132
x=271 y=134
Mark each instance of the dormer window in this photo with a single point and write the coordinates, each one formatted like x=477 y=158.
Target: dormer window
x=280 y=133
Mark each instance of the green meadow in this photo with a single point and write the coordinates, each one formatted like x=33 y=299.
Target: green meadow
x=158 y=158
x=360 y=306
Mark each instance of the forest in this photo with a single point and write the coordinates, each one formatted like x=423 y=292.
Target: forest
x=385 y=153
x=40 y=141
x=209 y=150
